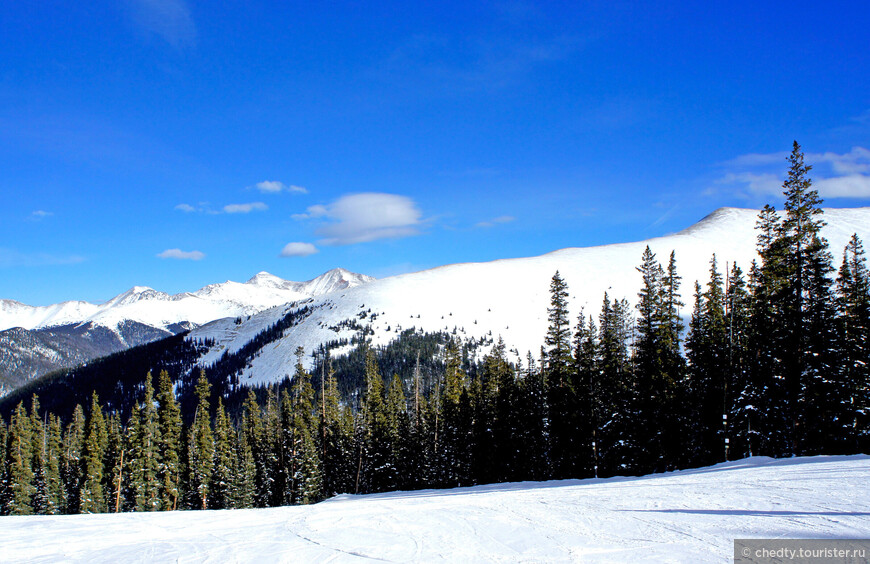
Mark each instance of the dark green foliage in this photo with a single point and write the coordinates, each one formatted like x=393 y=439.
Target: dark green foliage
x=200 y=447
x=169 y=443
x=91 y=498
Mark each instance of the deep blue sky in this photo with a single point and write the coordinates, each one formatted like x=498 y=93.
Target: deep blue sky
x=174 y=143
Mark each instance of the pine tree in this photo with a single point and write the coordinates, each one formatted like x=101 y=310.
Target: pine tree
x=305 y=474
x=201 y=445
x=613 y=390
x=807 y=265
x=336 y=440
x=169 y=443
x=585 y=367
x=254 y=439
x=853 y=328
x=560 y=386
x=745 y=398
x=245 y=470
x=92 y=499
x=144 y=448
x=39 y=448
x=71 y=472
x=19 y=499
x=224 y=459
x=116 y=465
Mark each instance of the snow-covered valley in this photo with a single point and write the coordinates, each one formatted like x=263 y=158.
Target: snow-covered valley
x=685 y=516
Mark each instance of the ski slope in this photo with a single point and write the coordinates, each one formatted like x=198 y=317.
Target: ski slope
x=686 y=516
x=509 y=298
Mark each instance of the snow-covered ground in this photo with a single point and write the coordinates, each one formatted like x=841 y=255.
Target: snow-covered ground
x=687 y=516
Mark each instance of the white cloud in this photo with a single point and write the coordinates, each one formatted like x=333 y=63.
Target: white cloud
x=245 y=208
x=181 y=255
x=834 y=175
x=495 y=221
x=186 y=208
x=360 y=218
x=312 y=212
x=40 y=214
x=170 y=19
x=274 y=187
x=298 y=250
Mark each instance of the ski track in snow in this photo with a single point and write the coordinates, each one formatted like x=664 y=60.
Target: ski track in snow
x=687 y=516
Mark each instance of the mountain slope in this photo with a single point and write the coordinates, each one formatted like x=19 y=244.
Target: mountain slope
x=38 y=340
x=508 y=298
x=686 y=516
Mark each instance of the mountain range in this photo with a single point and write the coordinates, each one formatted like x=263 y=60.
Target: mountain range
x=482 y=301
x=35 y=340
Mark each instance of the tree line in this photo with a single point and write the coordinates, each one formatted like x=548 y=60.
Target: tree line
x=773 y=362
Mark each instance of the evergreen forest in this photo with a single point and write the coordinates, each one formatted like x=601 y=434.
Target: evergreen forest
x=774 y=361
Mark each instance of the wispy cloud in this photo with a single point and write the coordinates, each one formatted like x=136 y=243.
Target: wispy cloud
x=834 y=175
x=186 y=208
x=38 y=215
x=169 y=19
x=10 y=258
x=276 y=187
x=360 y=218
x=496 y=221
x=298 y=250
x=181 y=255
x=245 y=208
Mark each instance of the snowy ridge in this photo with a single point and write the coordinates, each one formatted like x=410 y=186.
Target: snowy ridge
x=685 y=516
x=509 y=298
x=158 y=309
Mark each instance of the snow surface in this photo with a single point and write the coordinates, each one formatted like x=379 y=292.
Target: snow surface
x=509 y=298
x=158 y=309
x=686 y=516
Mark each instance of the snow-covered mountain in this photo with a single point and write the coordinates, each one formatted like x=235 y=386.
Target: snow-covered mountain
x=37 y=340
x=158 y=309
x=507 y=298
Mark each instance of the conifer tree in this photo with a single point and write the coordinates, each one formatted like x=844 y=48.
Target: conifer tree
x=245 y=470
x=560 y=386
x=853 y=328
x=305 y=470
x=71 y=472
x=19 y=499
x=92 y=499
x=254 y=440
x=116 y=465
x=585 y=376
x=145 y=452
x=745 y=397
x=169 y=443
x=201 y=445
x=224 y=460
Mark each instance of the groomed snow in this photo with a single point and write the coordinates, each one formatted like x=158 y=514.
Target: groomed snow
x=687 y=516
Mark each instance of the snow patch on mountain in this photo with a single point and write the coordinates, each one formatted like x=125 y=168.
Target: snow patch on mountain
x=510 y=297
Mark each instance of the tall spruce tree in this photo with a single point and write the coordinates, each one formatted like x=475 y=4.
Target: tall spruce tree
x=19 y=464
x=145 y=452
x=169 y=443
x=92 y=499
x=200 y=446
x=71 y=471
x=562 y=400
x=853 y=328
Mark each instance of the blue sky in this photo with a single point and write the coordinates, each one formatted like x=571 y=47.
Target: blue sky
x=173 y=143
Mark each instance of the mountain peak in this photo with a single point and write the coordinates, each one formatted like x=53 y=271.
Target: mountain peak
x=263 y=278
